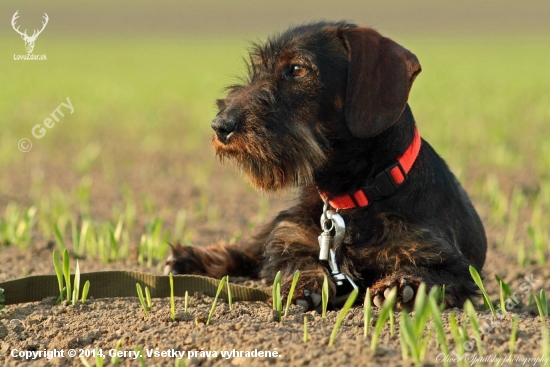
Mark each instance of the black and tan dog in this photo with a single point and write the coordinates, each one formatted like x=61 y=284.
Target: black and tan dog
x=325 y=109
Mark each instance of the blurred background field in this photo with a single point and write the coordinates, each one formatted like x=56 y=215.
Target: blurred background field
x=132 y=169
x=143 y=78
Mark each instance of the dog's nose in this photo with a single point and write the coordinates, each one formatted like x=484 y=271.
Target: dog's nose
x=224 y=126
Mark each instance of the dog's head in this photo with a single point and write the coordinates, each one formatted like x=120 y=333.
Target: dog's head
x=307 y=88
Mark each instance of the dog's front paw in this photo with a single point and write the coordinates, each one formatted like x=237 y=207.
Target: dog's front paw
x=407 y=288
x=307 y=293
x=183 y=260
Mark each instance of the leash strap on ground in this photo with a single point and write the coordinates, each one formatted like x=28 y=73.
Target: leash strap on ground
x=112 y=284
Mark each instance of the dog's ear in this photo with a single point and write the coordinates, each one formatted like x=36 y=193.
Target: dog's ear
x=380 y=76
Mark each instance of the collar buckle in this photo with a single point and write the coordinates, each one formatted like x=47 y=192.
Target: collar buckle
x=384 y=184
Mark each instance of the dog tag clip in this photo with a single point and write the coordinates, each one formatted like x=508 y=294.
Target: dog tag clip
x=330 y=220
x=325 y=243
x=344 y=284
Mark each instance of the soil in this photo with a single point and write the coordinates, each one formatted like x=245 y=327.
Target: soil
x=248 y=327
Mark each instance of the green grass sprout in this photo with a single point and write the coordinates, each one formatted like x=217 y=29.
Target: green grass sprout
x=383 y=316
x=442 y=297
x=505 y=286
x=367 y=313
x=438 y=322
x=477 y=279
x=291 y=292
x=324 y=298
x=141 y=356
x=403 y=341
x=67 y=274
x=458 y=337
x=59 y=273
x=502 y=297
x=276 y=281
x=142 y=300
x=474 y=321
x=180 y=362
x=172 y=301
x=213 y=308
x=229 y=294
x=76 y=287
x=542 y=305
x=148 y=299
x=279 y=301
x=407 y=329
x=115 y=360
x=85 y=291
x=343 y=312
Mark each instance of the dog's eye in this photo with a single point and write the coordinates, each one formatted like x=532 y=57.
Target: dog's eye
x=298 y=71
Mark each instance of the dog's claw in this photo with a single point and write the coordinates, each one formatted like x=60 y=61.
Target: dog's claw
x=316 y=299
x=378 y=301
x=387 y=292
x=168 y=265
x=302 y=303
x=406 y=291
x=407 y=294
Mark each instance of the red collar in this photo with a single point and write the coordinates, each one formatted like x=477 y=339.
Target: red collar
x=384 y=184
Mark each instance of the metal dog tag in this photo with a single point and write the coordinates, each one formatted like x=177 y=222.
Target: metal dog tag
x=325 y=243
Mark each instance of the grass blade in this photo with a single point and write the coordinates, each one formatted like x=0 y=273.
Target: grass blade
x=213 y=308
x=229 y=294
x=505 y=286
x=367 y=313
x=291 y=292
x=172 y=301
x=279 y=301
x=349 y=302
x=502 y=296
x=407 y=328
x=477 y=279
x=76 y=287
x=85 y=291
x=383 y=316
x=542 y=305
x=544 y=302
x=148 y=299
x=142 y=299
x=438 y=325
x=276 y=281
x=324 y=298
x=67 y=273
x=474 y=321
x=59 y=274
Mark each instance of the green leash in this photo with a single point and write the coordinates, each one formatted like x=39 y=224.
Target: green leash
x=112 y=284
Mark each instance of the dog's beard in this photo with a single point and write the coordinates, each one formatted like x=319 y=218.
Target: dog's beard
x=277 y=163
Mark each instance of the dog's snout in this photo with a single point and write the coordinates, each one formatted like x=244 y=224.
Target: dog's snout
x=224 y=126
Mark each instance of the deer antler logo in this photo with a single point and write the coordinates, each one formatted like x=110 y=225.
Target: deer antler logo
x=29 y=40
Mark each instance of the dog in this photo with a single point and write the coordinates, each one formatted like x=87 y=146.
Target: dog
x=325 y=109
